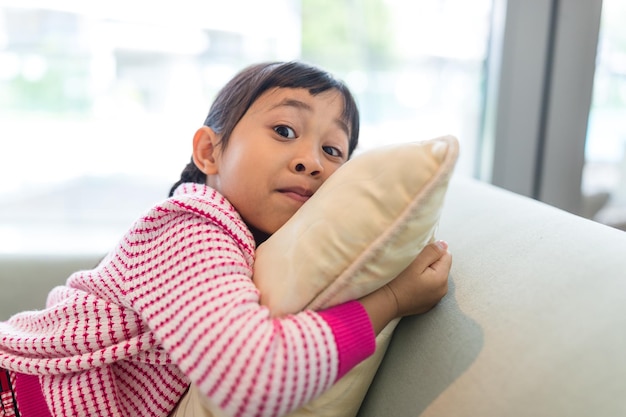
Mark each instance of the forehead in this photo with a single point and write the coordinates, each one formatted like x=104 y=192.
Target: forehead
x=330 y=101
x=326 y=106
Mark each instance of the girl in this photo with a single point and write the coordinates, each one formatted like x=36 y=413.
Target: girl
x=174 y=302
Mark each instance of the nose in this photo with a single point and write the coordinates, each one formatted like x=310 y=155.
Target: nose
x=307 y=163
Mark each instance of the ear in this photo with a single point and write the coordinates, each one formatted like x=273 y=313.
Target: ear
x=206 y=150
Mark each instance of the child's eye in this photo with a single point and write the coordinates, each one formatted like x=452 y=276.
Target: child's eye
x=285 y=131
x=332 y=151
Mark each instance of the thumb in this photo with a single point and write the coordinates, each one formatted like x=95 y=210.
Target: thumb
x=430 y=254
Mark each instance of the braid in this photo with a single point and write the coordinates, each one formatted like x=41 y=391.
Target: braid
x=191 y=173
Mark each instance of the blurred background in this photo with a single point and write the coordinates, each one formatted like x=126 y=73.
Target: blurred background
x=99 y=100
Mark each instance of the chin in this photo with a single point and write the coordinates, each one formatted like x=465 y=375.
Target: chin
x=269 y=228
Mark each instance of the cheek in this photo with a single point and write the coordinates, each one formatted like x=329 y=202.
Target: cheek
x=240 y=185
x=331 y=170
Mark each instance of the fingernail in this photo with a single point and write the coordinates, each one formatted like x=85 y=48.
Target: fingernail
x=442 y=244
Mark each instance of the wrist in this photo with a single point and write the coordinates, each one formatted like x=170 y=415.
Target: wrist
x=381 y=307
x=392 y=295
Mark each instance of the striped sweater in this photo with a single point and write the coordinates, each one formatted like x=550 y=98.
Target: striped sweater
x=174 y=303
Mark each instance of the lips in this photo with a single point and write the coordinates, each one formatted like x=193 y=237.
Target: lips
x=297 y=193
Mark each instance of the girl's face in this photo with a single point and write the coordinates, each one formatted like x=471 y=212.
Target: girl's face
x=284 y=147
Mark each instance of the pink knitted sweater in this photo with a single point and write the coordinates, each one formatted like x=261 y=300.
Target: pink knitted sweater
x=174 y=303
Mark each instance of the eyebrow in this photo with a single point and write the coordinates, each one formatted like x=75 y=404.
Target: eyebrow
x=290 y=102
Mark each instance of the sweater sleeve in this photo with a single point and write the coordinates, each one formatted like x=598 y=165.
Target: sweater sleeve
x=190 y=281
x=353 y=333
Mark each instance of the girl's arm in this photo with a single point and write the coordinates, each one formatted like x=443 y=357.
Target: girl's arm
x=190 y=281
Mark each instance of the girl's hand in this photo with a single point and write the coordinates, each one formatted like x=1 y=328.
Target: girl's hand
x=415 y=290
x=424 y=282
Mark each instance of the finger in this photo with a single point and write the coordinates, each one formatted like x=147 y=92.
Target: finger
x=431 y=254
x=442 y=264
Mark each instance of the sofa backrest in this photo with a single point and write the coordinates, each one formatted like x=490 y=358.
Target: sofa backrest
x=26 y=280
x=534 y=323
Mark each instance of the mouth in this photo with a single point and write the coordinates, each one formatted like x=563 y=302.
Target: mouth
x=297 y=193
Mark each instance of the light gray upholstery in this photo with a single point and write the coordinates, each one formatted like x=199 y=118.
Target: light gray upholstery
x=26 y=280
x=534 y=323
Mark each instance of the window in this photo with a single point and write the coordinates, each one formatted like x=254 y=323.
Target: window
x=604 y=175
x=417 y=68
x=98 y=104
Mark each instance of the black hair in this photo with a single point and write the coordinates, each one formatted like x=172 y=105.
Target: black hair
x=236 y=97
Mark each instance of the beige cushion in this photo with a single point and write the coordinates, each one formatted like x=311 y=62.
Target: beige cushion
x=358 y=231
x=194 y=404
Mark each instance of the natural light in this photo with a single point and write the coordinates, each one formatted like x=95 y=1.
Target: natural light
x=100 y=101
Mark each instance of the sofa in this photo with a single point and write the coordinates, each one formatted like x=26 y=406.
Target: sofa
x=534 y=323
